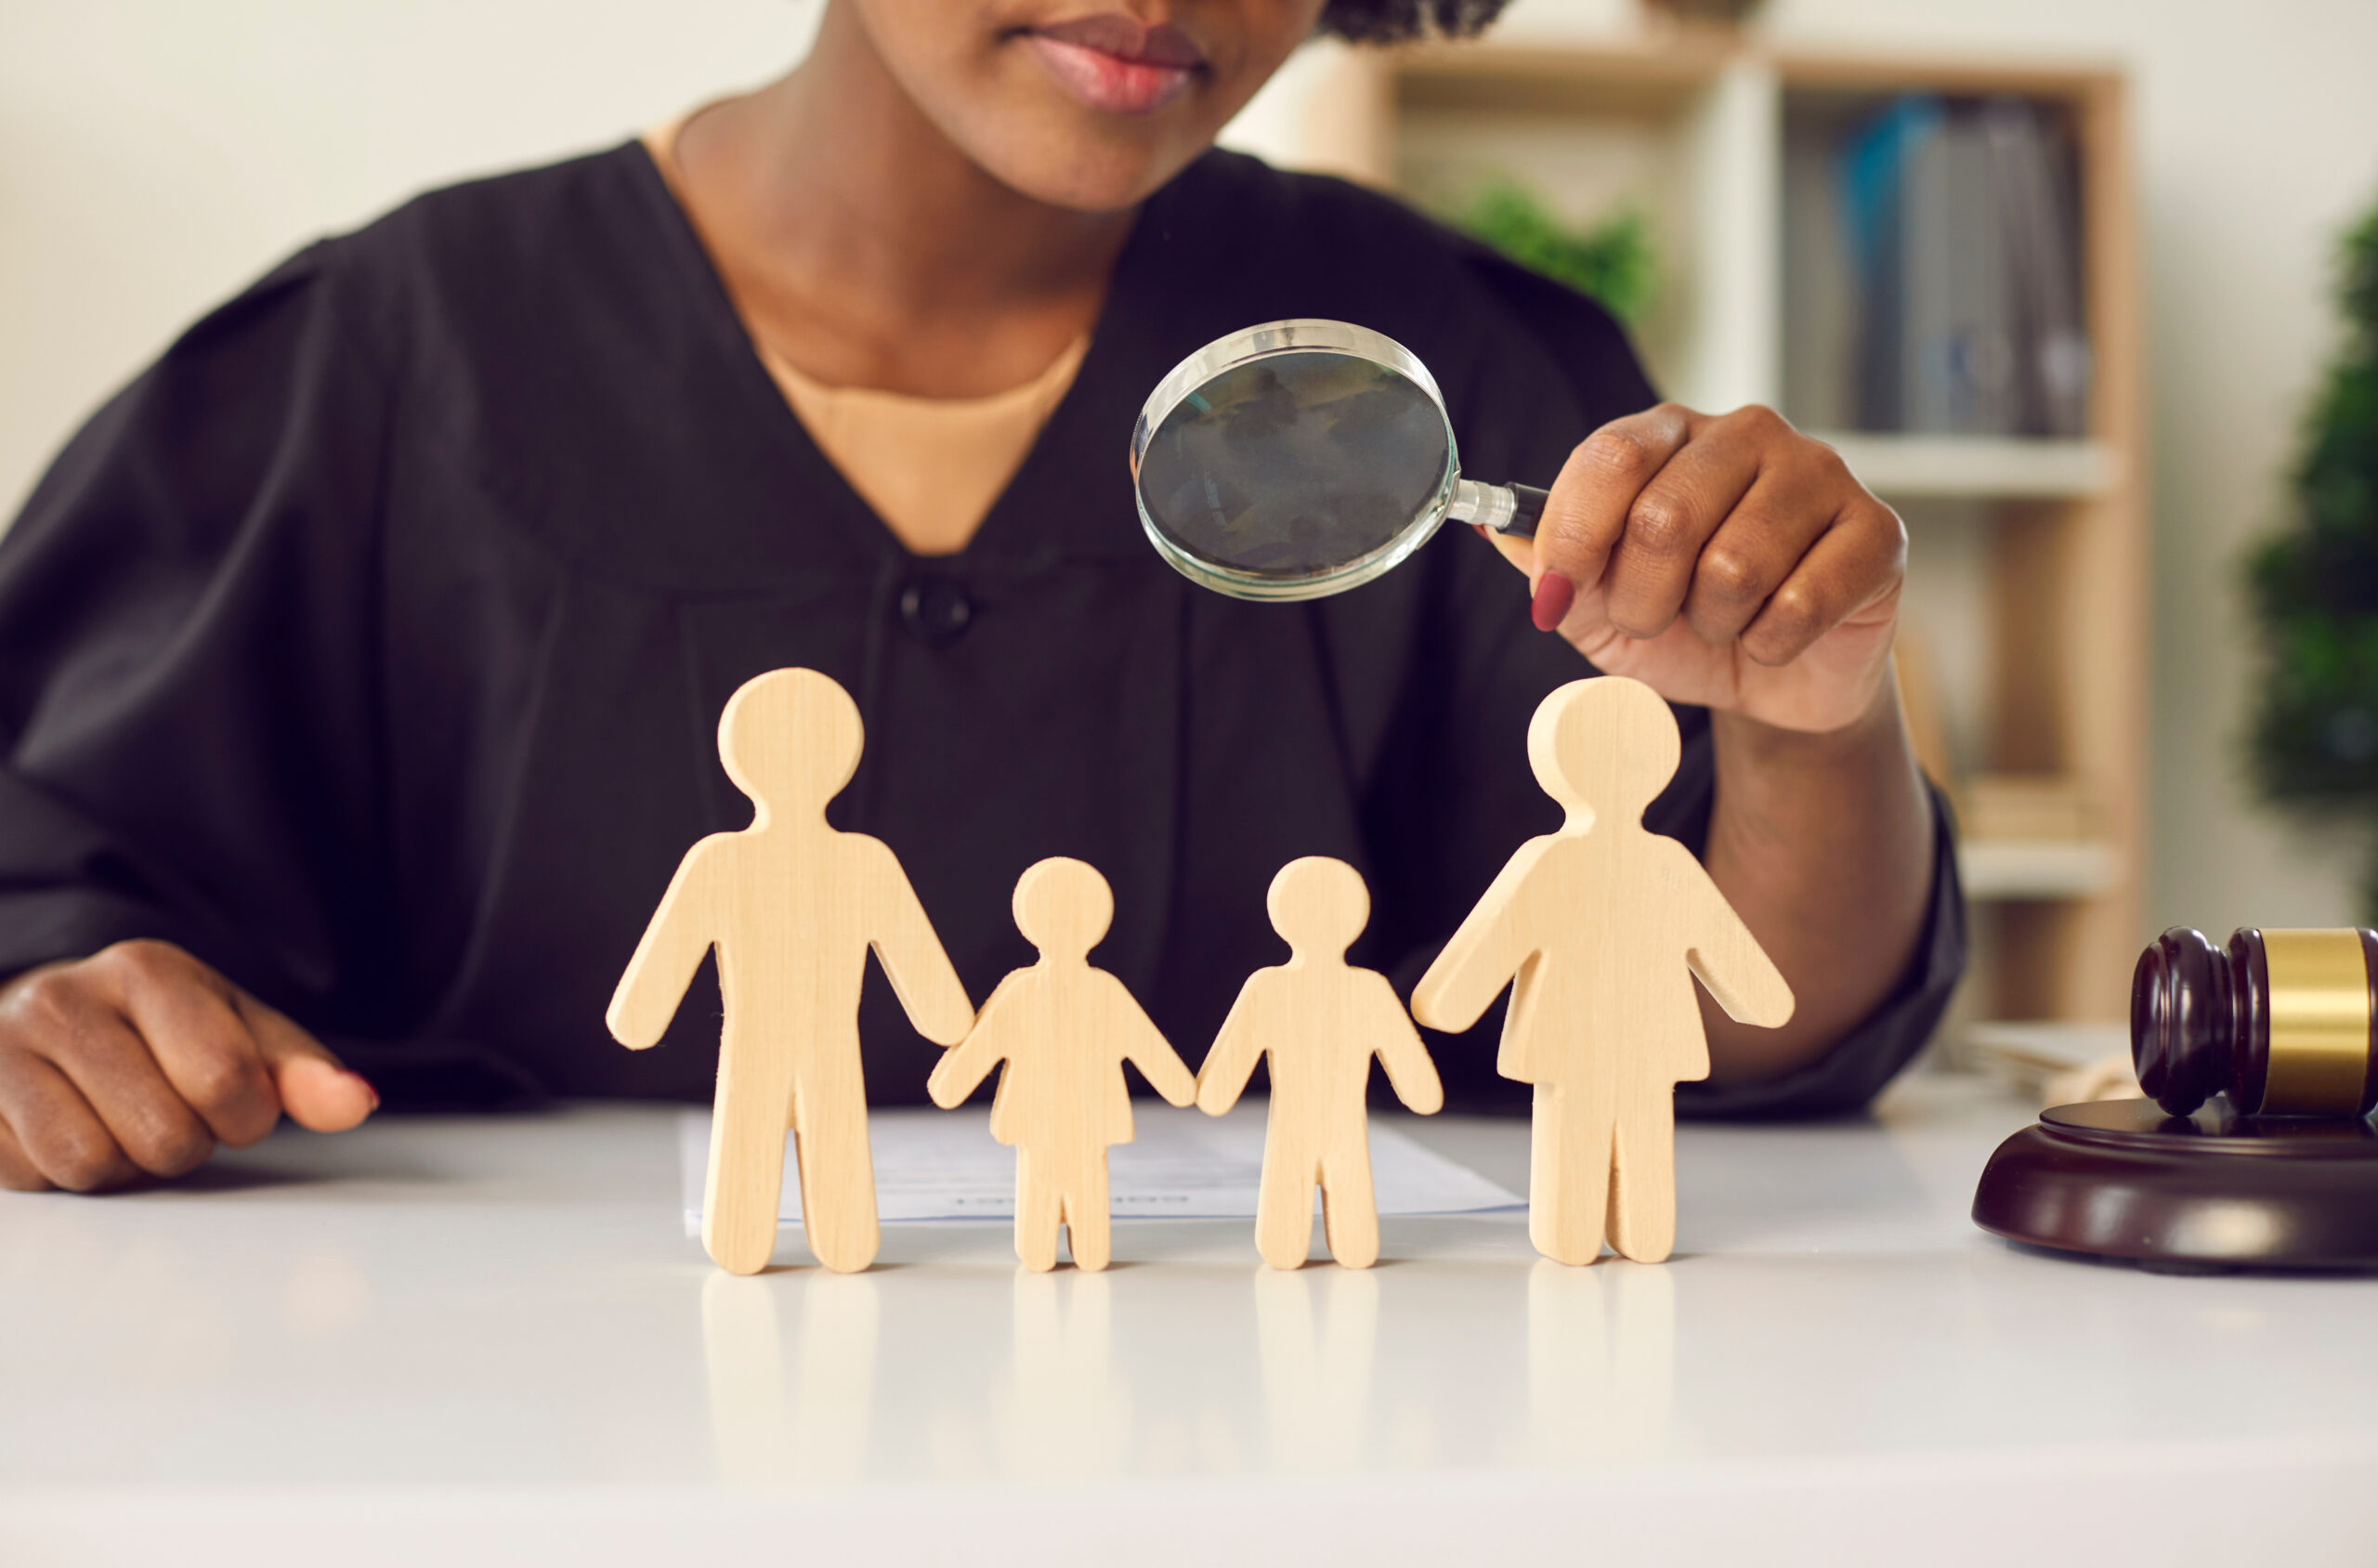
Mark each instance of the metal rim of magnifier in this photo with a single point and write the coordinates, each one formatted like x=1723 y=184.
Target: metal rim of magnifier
x=1296 y=337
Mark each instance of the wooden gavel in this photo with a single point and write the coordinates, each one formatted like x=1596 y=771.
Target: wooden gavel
x=2282 y=1021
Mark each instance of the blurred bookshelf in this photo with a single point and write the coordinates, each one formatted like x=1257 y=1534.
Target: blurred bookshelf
x=1770 y=182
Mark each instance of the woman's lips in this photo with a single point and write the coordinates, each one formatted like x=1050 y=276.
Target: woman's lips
x=1113 y=63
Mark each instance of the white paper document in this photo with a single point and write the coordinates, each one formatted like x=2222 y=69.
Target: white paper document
x=1183 y=1165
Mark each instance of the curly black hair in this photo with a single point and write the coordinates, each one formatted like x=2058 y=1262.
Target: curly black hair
x=1392 y=21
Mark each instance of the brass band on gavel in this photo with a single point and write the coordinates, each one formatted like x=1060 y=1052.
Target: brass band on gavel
x=2281 y=1021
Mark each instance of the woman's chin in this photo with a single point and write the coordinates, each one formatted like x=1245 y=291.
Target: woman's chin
x=1092 y=172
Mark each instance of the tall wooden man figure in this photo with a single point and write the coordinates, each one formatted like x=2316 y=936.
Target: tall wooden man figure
x=792 y=907
x=1599 y=923
x=1320 y=1019
x=1064 y=1030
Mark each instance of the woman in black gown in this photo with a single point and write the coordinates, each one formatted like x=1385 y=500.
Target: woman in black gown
x=359 y=663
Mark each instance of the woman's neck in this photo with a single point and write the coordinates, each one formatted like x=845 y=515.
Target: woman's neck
x=861 y=244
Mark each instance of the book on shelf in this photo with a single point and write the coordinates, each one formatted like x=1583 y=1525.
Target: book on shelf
x=1933 y=271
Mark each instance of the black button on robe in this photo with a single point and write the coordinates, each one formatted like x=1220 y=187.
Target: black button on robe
x=372 y=643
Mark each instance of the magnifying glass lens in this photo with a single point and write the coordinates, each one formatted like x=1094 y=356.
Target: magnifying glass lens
x=1295 y=466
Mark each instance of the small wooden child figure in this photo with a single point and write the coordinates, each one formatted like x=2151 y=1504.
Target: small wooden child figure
x=792 y=907
x=1319 y=1020
x=1599 y=924
x=1064 y=1030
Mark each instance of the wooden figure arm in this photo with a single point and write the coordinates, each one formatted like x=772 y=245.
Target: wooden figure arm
x=913 y=958
x=1481 y=956
x=971 y=1059
x=1728 y=959
x=1409 y=1071
x=962 y=1067
x=666 y=957
x=1221 y=1078
x=1146 y=1047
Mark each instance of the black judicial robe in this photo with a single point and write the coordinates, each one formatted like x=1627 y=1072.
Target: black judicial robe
x=371 y=644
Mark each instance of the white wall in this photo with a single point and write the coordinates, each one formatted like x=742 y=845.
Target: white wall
x=155 y=154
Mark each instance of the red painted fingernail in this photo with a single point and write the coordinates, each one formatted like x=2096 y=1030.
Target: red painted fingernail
x=1554 y=595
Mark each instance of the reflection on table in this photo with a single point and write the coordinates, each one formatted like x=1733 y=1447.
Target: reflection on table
x=436 y=1315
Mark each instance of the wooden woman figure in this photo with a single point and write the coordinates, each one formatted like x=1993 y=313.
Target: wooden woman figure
x=793 y=907
x=1599 y=924
x=1319 y=1020
x=1064 y=1030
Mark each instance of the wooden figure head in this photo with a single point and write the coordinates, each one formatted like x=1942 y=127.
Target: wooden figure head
x=1062 y=907
x=791 y=739
x=1319 y=905
x=1603 y=746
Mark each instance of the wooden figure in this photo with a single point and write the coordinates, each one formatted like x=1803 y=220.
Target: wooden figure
x=1319 y=1020
x=792 y=907
x=1064 y=1030
x=1597 y=924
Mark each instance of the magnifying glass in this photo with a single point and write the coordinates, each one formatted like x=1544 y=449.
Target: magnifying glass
x=1304 y=458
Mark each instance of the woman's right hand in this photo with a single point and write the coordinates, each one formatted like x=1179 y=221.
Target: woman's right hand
x=137 y=1061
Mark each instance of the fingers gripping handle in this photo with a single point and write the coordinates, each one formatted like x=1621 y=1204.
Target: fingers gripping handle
x=1509 y=509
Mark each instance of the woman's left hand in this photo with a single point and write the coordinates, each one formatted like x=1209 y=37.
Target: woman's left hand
x=1725 y=560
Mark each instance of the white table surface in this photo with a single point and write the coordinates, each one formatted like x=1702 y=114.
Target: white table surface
x=467 y=1340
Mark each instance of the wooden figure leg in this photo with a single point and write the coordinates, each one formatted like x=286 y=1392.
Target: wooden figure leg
x=1568 y=1191
x=1284 y=1210
x=836 y=1179
x=1038 y=1211
x=1349 y=1209
x=1086 y=1215
x=746 y=1181
x=1642 y=1186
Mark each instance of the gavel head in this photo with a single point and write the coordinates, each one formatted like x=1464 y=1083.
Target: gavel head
x=2283 y=1022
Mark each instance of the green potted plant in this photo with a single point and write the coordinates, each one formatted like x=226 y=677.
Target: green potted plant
x=1612 y=262
x=2314 y=585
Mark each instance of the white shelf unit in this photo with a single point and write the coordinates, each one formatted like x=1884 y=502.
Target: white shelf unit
x=2002 y=870
x=1909 y=467
x=1690 y=127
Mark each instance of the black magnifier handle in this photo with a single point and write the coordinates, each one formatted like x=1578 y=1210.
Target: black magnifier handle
x=1527 y=505
x=1511 y=509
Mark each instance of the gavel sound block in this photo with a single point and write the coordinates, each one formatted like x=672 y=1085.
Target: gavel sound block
x=2255 y=1149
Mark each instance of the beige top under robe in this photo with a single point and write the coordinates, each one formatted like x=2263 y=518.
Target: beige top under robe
x=931 y=467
